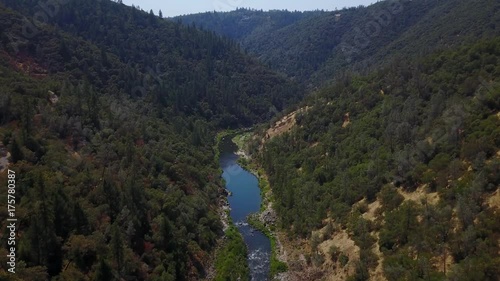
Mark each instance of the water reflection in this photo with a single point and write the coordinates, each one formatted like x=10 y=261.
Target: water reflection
x=244 y=200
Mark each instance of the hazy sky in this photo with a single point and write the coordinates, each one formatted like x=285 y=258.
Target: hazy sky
x=180 y=7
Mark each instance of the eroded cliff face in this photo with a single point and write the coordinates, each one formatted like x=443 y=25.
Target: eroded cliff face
x=283 y=125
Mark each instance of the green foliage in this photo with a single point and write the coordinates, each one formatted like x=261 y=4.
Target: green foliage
x=117 y=178
x=314 y=47
x=189 y=71
x=242 y=23
x=423 y=131
x=334 y=253
x=276 y=266
x=400 y=225
x=231 y=263
x=343 y=259
x=317 y=258
x=103 y=272
x=390 y=198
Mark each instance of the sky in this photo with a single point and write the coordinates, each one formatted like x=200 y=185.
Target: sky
x=172 y=8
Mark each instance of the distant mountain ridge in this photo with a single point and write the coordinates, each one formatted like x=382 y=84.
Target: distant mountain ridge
x=242 y=23
x=314 y=48
x=161 y=47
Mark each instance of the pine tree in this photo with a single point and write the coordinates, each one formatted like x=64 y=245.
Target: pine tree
x=103 y=272
x=117 y=246
x=15 y=152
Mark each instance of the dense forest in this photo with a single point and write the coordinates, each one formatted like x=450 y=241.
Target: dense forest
x=242 y=23
x=110 y=115
x=199 y=72
x=430 y=125
x=313 y=47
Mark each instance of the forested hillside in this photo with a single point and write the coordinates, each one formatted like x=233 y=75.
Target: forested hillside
x=242 y=23
x=406 y=160
x=198 y=72
x=109 y=115
x=389 y=169
x=317 y=47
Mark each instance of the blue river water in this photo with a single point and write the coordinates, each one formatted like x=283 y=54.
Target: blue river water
x=244 y=200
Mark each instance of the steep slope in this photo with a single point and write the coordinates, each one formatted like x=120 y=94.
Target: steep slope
x=316 y=48
x=243 y=23
x=412 y=29
x=197 y=71
x=410 y=178
x=111 y=126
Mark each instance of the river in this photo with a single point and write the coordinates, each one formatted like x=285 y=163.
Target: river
x=244 y=200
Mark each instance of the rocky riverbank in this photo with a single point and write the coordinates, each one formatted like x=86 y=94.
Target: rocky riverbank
x=266 y=219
